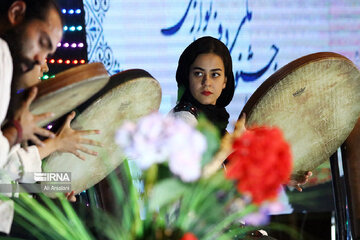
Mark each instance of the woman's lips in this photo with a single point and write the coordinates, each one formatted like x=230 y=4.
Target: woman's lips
x=206 y=93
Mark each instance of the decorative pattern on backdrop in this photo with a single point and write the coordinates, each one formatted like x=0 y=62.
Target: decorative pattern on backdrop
x=98 y=48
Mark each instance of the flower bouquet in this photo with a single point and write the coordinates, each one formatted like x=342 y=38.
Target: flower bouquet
x=185 y=190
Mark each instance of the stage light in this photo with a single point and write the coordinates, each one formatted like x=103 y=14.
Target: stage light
x=67 y=61
x=79 y=28
x=45 y=77
x=71 y=11
x=73 y=45
x=72 y=28
x=65 y=28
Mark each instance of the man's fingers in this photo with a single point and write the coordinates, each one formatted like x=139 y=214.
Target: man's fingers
x=43 y=116
x=71 y=196
x=31 y=96
x=45 y=133
x=88 y=151
x=69 y=118
x=88 y=132
x=90 y=142
x=77 y=154
x=36 y=141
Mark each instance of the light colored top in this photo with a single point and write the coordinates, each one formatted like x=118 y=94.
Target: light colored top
x=6 y=70
x=16 y=164
x=188 y=117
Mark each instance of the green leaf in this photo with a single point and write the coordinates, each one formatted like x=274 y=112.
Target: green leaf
x=166 y=192
x=212 y=136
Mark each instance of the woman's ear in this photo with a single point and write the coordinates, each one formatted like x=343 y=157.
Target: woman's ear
x=225 y=81
x=16 y=12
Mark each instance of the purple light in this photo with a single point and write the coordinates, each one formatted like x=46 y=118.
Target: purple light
x=73 y=45
x=49 y=126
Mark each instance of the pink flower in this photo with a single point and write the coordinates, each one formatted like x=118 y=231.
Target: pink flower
x=157 y=138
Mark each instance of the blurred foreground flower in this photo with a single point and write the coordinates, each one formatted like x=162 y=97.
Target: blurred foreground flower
x=187 y=207
x=157 y=139
x=189 y=236
x=261 y=162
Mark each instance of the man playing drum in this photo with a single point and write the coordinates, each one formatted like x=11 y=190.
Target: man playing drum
x=30 y=30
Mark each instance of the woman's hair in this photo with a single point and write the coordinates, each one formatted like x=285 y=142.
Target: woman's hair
x=202 y=46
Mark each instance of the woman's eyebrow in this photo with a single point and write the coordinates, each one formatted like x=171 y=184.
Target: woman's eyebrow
x=198 y=68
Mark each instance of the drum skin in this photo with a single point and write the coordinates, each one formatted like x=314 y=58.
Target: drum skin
x=129 y=95
x=314 y=100
x=68 y=90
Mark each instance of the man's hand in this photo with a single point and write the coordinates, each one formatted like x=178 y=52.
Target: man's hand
x=70 y=140
x=70 y=196
x=28 y=123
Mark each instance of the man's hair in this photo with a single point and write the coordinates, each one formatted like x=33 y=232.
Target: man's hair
x=35 y=9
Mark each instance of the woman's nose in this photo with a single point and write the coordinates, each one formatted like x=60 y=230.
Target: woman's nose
x=205 y=80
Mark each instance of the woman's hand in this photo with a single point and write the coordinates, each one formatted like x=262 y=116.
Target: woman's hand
x=297 y=180
x=240 y=127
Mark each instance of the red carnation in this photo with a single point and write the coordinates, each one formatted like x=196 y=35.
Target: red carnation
x=261 y=163
x=189 y=236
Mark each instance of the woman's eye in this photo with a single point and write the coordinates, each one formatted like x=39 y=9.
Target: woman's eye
x=216 y=75
x=198 y=74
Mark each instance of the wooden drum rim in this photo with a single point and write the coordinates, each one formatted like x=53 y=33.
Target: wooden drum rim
x=283 y=72
x=71 y=76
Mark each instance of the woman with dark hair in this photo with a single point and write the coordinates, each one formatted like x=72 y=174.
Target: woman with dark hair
x=205 y=82
x=206 y=85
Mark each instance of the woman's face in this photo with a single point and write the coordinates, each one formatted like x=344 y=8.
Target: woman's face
x=207 y=78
